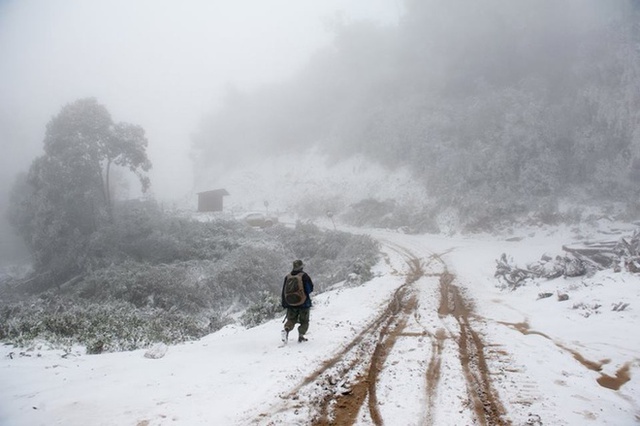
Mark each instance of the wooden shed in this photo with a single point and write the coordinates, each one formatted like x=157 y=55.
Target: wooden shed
x=211 y=201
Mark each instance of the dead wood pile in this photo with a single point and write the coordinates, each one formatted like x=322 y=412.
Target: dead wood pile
x=579 y=259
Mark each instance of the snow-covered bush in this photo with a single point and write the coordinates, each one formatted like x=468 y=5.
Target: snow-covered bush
x=247 y=272
x=391 y=214
x=101 y=327
x=164 y=286
x=478 y=215
x=369 y=212
x=330 y=256
x=143 y=233
x=263 y=310
x=136 y=293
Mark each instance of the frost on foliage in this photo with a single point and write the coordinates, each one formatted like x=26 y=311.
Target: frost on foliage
x=157 y=351
x=65 y=200
x=103 y=327
x=197 y=276
x=265 y=309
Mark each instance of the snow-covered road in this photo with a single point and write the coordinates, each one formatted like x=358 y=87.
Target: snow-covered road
x=429 y=341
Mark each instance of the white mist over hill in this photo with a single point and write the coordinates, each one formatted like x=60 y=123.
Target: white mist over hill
x=311 y=183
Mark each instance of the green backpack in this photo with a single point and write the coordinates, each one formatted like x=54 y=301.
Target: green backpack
x=294 y=294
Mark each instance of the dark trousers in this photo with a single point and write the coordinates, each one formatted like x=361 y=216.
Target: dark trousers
x=298 y=315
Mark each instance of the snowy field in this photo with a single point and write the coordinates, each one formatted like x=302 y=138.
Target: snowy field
x=545 y=361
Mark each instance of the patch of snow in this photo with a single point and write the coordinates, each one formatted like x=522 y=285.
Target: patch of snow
x=336 y=184
x=547 y=358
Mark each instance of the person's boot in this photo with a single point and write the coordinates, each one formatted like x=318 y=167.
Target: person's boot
x=301 y=338
x=284 y=335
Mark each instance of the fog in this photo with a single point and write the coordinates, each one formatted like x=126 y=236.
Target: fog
x=497 y=109
x=401 y=121
x=158 y=64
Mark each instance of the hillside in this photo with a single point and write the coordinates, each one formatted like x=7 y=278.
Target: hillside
x=430 y=340
x=493 y=108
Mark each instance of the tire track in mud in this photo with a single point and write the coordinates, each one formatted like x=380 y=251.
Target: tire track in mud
x=486 y=403
x=339 y=389
x=344 y=409
x=434 y=371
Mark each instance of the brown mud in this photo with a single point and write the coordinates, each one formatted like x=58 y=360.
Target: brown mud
x=623 y=375
x=486 y=403
x=348 y=381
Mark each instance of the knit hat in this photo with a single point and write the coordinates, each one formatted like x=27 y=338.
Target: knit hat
x=298 y=265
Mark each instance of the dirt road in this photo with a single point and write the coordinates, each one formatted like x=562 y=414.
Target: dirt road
x=426 y=332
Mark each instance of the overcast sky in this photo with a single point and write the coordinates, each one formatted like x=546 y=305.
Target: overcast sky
x=160 y=64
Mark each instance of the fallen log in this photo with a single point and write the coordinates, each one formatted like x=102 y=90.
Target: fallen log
x=580 y=254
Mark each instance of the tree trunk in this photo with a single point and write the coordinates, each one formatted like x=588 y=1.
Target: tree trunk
x=107 y=190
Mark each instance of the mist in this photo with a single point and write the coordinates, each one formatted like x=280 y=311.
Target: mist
x=507 y=106
x=161 y=65
x=499 y=109
x=416 y=155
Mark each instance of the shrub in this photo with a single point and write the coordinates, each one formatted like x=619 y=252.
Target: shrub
x=392 y=215
x=168 y=280
x=103 y=327
x=167 y=287
x=331 y=256
x=265 y=309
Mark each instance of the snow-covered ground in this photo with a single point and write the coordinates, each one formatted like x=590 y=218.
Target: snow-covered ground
x=546 y=362
x=317 y=183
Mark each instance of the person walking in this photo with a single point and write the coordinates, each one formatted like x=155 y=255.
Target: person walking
x=296 y=299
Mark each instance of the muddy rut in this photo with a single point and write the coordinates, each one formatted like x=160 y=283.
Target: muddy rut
x=346 y=389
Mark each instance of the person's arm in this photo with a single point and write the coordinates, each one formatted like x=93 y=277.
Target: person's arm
x=308 y=284
x=284 y=305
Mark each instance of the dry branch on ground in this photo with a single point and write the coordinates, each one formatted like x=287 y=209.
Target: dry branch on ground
x=579 y=259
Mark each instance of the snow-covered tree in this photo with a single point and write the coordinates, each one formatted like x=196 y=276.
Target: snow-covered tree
x=65 y=198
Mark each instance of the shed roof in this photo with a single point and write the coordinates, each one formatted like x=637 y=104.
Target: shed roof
x=220 y=192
